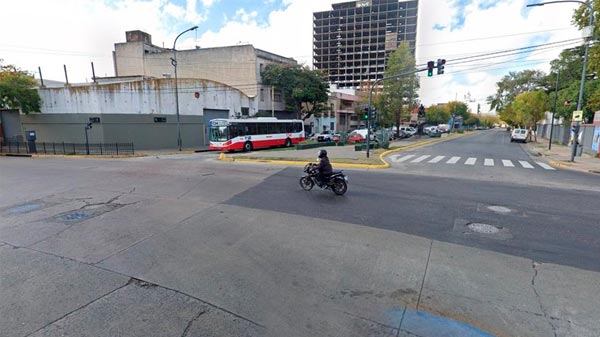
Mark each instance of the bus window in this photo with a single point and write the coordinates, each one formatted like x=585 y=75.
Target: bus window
x=263 y=128
x=233 y=131
x=218 y=134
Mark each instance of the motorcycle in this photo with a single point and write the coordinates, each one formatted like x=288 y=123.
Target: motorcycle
x=337 y=182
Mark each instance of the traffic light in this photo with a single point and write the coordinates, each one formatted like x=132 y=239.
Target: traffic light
x=430 y=65
x=440 y=66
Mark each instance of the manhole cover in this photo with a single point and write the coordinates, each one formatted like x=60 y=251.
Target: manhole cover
x=74 y=216
x=25 y=208
x=483 y=228
x=499 y=209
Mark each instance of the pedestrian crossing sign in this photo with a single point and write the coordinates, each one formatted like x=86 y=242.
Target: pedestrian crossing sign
x=577 y=116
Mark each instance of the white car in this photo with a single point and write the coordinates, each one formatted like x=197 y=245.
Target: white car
x=518 y=135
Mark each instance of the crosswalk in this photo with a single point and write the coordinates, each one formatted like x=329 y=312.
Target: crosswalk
x=469 y=161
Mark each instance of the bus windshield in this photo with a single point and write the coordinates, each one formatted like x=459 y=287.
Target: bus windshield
x=218 y=134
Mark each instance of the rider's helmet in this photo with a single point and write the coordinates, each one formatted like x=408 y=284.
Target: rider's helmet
x=322 y=153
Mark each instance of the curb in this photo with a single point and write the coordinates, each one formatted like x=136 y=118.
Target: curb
x=70 y=156
x=385 y=164
x=15 y=155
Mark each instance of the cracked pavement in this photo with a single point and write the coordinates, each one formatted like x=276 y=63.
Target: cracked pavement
x=162 y=253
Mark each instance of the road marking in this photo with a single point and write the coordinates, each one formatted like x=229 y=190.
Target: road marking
x=525 y=164
x=437 y=159
x=453 y=160
x=420 y=159
x=470 y=161
x=507 y=163
x=488 y=162
x=401 y=159
x=545 y=166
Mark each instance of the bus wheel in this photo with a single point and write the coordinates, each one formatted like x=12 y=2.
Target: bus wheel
x=247 y=146
x=288 y=142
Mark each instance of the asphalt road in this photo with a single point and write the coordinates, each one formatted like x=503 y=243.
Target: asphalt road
x=544 y=224
x=188 y=246
x=488 y=155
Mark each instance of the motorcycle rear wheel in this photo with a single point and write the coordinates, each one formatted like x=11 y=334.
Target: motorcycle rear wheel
x=306 y=183
x=339 y=186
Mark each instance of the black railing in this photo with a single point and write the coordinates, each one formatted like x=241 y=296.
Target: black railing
x=69 y=148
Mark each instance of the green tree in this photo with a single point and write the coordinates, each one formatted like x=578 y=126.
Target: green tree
x=513 y=84
x=17 y=89
x=304 y=91
x=458 y=108
x=529 y=107
x=508 y=116
x=437 y=114
x=399 y=94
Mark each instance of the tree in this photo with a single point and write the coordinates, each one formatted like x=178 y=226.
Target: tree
x=508 y=116
x=437 y=114
x=458 y=108
x=17 y=90
x=529 y=107
x=580 y=19
x=513 y=84
x=304 y=91
x=399 y=94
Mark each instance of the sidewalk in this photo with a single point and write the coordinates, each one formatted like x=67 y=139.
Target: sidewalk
x=560 y=156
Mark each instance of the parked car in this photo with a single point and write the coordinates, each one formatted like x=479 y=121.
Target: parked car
x=408 y=129
x=431 y=129
x=325 y=136
x=355 y=137
x=358 y=136
x=518 y=135
x=403 y=134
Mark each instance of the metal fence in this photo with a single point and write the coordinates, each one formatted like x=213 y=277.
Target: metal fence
x=69 y=148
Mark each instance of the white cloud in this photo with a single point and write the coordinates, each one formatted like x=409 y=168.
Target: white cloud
x=87 y=31
x=245 y=17
x=207 y=3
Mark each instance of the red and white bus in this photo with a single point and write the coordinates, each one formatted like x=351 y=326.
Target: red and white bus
x=254 y=133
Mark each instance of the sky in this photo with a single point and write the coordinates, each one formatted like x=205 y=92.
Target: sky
x=50 y=34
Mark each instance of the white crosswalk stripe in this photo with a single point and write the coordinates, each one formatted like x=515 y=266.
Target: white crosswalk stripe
x=470 y=161
x=507 y=163
x=525 y=164
x=399 y=159
x=436 y=159
x=420 y=159
x=453 y=160
x=545 y=166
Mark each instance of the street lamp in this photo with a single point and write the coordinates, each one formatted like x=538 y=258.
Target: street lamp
x=585 y=57
x=174 y=63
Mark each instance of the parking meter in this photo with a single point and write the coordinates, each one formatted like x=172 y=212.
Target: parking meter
x=31 y=137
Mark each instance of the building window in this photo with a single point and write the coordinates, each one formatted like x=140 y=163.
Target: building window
x=245 y=111
x=277 y=96
x=262 y=95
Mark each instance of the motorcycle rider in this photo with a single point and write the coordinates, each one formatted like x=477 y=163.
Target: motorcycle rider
x=324 y=168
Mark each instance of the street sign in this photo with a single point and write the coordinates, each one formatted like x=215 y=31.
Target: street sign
x=577 y=116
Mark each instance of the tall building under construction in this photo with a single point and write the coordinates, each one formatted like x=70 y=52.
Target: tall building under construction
x=352 y=42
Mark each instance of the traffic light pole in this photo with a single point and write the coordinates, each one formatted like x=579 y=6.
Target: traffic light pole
x=370 y=109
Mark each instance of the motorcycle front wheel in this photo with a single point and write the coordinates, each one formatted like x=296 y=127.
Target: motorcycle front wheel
x=339 y=186
x=306 y=183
